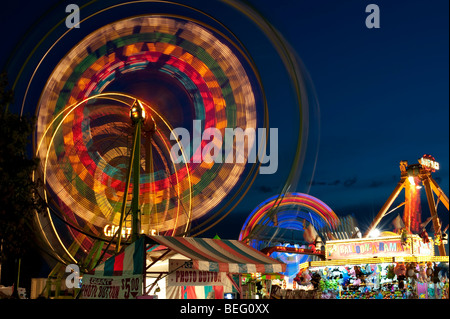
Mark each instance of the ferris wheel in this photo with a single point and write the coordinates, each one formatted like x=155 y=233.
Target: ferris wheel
x=184 y=69
x=178 y=71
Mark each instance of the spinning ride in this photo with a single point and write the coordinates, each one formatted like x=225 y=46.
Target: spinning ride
x=179 y=71
x=413 y=176
x=184 y=66
x=285 y=227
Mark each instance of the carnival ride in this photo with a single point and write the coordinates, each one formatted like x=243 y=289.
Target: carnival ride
x=107 y=178
x=289 y=228
x=84 y=130
x=412 y=178
x=279 y=227
x=394 y=262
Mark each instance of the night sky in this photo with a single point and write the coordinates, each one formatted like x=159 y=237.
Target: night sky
x=382 y=94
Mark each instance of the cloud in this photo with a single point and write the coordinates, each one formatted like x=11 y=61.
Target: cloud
x=375 y=184
x=265 y=189
x=350 y=182
x=346 y=183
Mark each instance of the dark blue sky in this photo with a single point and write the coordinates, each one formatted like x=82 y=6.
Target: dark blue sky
x=383 y=93
x=383 y=96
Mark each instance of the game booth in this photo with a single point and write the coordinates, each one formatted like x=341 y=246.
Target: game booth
x=403 y=264
x=159 y=267
x=391 y=267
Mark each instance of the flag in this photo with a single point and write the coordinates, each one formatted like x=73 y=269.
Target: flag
x=310 y=234
x=425 y=223
x=422 y=290
x=129 y=262
x=398 y=223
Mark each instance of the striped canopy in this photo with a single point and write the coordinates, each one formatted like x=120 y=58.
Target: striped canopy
x=220 y=255
x=129 y=262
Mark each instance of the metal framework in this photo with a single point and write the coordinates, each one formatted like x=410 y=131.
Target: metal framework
x=137 y=114
x=409 y=173
x=383 y=260
x=292 y=250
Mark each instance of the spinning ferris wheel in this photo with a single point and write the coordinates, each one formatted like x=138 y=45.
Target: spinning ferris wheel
x=105 y=178
x=177 y=71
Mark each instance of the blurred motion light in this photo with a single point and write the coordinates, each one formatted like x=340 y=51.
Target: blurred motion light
x=375 y=233
x=429 y=162
x=137 y=112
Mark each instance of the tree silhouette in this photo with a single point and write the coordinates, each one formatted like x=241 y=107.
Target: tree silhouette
x=19 y=200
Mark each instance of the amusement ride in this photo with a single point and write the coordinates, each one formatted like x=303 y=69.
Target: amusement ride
x=107 y=119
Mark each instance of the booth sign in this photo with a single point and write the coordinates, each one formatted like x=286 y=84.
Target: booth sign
x=181 y=274
x=119 y=287
x=377 y=247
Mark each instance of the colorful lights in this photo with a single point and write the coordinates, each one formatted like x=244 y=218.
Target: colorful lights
x=428 y=162
x=137 y=112
x=375 y=233
x=295 y=208
x=286 y=215
x=82 y=138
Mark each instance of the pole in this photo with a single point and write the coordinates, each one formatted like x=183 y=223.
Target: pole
x=16 y=288
x=125 y=196
x=144 y=269
x=386 y=206
x=431 y=204
x=439 y=192
x=137 y=114
x=136 y=227
x=149 y=170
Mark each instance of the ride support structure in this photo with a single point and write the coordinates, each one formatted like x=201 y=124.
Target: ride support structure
x=138 y=116
x=411 y=177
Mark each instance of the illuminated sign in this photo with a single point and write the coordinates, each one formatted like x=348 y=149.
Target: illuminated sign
x=181 y=273
x=110 y=230
x=118 y=287
x=429 y=162
x=291 y=250
x=378 y=247
x=153 y=232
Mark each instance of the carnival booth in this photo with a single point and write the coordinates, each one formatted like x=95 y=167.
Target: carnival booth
x=403 y=264
x=392 y=267
x=177 y=268
x=211 y=268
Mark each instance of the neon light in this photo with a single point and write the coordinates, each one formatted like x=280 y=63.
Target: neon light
x=429 y=162
x=88 y=184
x=292 y=209
x=379 y=247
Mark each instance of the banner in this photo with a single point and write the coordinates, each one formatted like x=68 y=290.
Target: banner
x=129 y=262
x=126 y=287
x=181 y=273
x=379 y=247
x=422 y=290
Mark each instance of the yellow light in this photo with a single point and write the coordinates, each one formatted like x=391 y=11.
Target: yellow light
x=411 y=180
x=137 y=111
x=375 y=233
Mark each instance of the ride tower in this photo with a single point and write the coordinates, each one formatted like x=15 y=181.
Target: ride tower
x=413 y=178
x=139 y=120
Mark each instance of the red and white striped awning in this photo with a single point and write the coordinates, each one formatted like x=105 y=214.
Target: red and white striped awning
x=231 y=256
